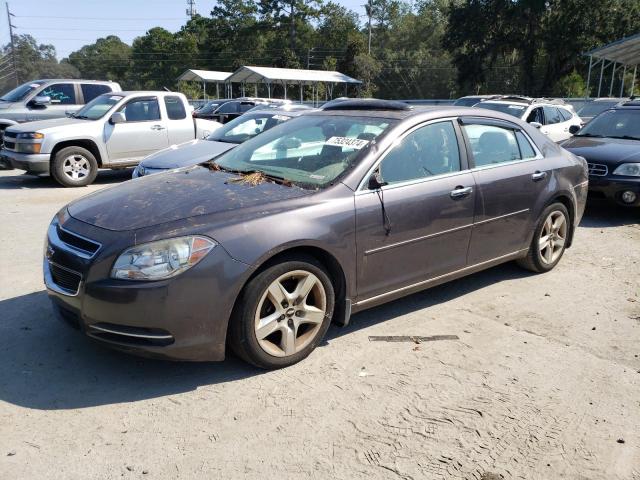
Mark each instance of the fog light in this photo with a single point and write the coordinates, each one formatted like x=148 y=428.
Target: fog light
x=628 y=196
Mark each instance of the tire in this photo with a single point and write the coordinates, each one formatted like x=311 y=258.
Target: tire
x=74 y=167
x=270 y=336
x=549 y=239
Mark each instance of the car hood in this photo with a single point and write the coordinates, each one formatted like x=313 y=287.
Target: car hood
x=610 y=151
x=177 y=195
x=48 y=125
x=186 y=154
x=5 y=105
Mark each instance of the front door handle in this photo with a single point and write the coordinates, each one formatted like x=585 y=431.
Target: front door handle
x=157 y=127
x=460 y=192
x=538 y=175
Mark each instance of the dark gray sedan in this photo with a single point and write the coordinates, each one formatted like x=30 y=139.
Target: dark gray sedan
x=320 y=217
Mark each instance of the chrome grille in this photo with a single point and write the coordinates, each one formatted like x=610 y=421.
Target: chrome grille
x=65 y=279
x=597 y=169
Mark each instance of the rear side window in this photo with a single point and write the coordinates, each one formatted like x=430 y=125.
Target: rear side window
x=92 y=90
x=565 y=114
x=175 y=108
x=526 y=150
x=229 y=107
x=552 y=115
x=492 y=144
x=60 y=93
x=427 y=151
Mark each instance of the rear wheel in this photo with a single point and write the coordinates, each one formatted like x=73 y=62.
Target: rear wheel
x=74 y=167
x=283 y=313
x=549 y=240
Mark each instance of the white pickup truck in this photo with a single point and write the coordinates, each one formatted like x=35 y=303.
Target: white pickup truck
x=114 y=130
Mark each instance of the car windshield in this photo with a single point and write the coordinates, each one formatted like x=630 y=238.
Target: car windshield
x=98 y=107
x=467 y=101
x=614 y=124
x=592 y=109
x=247 y=126
x=514 y=109
x=21 y=92
x=309 y=151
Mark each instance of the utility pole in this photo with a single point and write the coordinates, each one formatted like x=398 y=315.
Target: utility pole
x=191 y=8
x=13 y=47
x=369 y=9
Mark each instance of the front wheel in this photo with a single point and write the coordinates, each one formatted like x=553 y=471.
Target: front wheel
x=549 y=240
x=74 y=167
x=283 y=313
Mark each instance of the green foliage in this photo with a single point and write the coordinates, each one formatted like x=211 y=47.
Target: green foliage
x=107 y=59
x=572 y=85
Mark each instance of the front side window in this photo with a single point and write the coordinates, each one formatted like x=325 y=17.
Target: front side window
x=97 y=107
x=175 y=108
x=427 y=151
x=309 y=151
x=552 y=115
x=492 y=144
x=60 y=93
x=92 y=90
x=142 y=110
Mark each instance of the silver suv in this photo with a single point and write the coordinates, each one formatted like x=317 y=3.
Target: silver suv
x=48 y=98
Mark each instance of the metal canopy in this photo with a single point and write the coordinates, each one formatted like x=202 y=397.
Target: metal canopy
x=622 y=54
x=208 y=76
x=288 y=75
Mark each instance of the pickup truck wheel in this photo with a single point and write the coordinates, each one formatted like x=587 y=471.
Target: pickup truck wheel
x=74 y=167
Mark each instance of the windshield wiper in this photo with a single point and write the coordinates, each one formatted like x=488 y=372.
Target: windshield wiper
x=588 y=135
x=83 y=117
x=625 y=137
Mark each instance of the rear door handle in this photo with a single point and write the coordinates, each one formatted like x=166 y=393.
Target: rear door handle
x=537 y=176
x=157 y=127
x=460 y=192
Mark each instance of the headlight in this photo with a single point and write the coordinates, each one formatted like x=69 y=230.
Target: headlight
x=628 y=169
x=28 y=147
x=30 y=135
x=161 y=259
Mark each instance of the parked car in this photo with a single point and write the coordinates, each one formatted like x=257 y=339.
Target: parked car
x=264 y=247
x=226 y=110
x=611 y=144
x=46 y=99
x=471 y=100
x=596 y=106
x=553 y=117
x=114 y=130
x=225 y=138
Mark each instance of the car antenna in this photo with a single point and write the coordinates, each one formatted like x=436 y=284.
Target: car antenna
x=166 y=89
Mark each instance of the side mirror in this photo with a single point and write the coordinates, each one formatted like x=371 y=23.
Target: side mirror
x=535 y=124
x=573 y=129
x=41 y=100
x=375 y=181
x=117 y=117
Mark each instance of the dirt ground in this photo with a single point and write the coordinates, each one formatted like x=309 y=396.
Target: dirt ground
x=543 y=383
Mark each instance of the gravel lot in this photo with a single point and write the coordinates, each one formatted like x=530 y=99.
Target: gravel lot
x=543 y=383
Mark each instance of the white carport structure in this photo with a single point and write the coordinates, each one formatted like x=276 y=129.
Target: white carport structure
x=207 y=76
x=271 y=77
x=622 y=54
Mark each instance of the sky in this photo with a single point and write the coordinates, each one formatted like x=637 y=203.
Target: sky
x=70 y=24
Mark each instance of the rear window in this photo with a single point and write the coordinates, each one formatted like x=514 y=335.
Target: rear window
x=566 y=114
x=175 y=108
x=515 y=109
x=92 y=90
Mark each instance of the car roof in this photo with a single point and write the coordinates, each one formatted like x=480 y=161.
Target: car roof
x=630 y=105
x=74 y=80
x=281 y=111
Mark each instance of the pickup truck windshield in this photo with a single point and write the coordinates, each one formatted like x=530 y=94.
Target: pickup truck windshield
x=309 y=151
x=21 y=92
x=98 y=107
x=247 y=126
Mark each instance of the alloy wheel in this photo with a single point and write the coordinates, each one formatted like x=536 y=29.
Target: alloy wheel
x=76 y=167
x=290 y=313
x=553 y=237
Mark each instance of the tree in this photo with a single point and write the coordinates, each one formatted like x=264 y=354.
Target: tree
x=107 y=59
x=33 y=61
x=290 y=14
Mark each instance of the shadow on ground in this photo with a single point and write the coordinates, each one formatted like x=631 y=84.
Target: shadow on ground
x=13 y=180
x=602 y=213
x=45 y=364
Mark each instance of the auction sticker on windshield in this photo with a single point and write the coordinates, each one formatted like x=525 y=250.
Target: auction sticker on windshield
x=356 y=143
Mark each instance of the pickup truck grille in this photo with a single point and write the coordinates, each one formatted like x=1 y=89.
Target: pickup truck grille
x=9 y=145
x=597 y=169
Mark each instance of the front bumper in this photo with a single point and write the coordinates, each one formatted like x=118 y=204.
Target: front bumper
x=182 y=318
x=37 y=164
x=613 y=186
